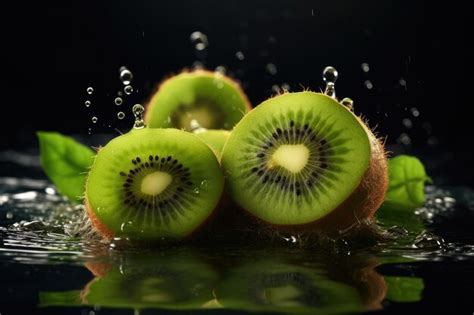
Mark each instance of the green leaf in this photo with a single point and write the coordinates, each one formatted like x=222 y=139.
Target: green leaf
x=407 y=178
x=404 y=289
x=66 y=162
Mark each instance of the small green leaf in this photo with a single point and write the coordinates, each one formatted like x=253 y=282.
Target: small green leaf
x=66 y=162
x=404 y=289
x=407 y=178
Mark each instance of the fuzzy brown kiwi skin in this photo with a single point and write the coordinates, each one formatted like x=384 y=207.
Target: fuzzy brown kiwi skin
x=360 y=205
x=227 y=79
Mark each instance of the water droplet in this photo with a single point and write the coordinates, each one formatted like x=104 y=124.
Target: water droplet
x=138 y=111
x=271 y=68
x=199 y=40
x=124 y=226
x=415 y=112
x=330 y=76
x=275 y=88
x=404 y=139
x=198 y=65
x=204 y=183
x=196 y=126
x=89 y=131
x=402 y=82
x=285 y=87
x=50 y=191
x=221 y=70
x=120 y=115
x=9 y=215
x=88 y=103
x=125 y=76
x=240 y=55
x=407 y=123
x=196 y=191
x=368 y=84
x=90 y=90
x=348 y=102
x=365 y=67
x=94 y=119
x=118 y=101
x=128 y=89
x=120 y=93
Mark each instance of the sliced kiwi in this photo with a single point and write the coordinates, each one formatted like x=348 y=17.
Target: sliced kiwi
x=153 y=183
x=209 y=99
x=303 y=158
x=215 y=139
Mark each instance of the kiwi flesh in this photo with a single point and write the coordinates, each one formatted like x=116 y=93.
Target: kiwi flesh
x=215 y=139
x=152 y=184
x=210 y=99
x=303 y=161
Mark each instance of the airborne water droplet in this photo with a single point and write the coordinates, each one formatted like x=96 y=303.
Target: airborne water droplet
x=125 y=76
x=271 y=68
x=138 y=111
x=128 y=89
x=199 y=40
x=221 y=70
x=88 y=103
x=90 y=90
x=120 y=115
x=365 y=67
x=9 y=215
x=118 y=101
x=368 y=84
x=204 y=183
x=94 y=119
x=196 y=191
x=240 y=55
x=330 y=76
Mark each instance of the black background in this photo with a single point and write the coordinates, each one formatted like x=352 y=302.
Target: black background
x=54 y=51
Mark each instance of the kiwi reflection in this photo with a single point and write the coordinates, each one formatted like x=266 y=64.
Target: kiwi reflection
x=251 y=280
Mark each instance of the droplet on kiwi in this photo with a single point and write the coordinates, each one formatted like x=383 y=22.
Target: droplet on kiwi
x=147 y=179
x=210 y=99
x=302 y=160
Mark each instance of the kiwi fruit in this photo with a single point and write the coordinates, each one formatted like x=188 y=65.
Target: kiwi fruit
x=303 y=161
x=211 y=99
x=175 y=279
x=153 y=184
x=215 y=139
x=272 y=285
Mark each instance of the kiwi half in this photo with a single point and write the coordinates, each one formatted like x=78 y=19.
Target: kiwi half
x=211 y=99
x=215 y=139
x=304 y=160
x=153 y=183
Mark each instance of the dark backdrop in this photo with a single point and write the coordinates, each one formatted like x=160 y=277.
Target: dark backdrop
x=55 y=51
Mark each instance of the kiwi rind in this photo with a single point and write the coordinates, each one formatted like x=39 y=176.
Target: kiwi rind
x=363 y=191
x=201 y=182
x=215 y=139
x=219 y=96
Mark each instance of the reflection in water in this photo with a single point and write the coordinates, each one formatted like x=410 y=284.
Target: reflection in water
x=278 y=280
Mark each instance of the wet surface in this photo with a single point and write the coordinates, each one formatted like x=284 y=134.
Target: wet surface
x=52 y=264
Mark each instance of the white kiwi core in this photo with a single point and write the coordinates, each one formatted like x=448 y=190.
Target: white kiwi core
x=291 y=157
x=155 y=183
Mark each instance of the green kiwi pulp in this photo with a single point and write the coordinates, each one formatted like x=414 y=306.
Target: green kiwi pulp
x=210 y=99
x=304 y=160
x=215 y=139
x=151 y=184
